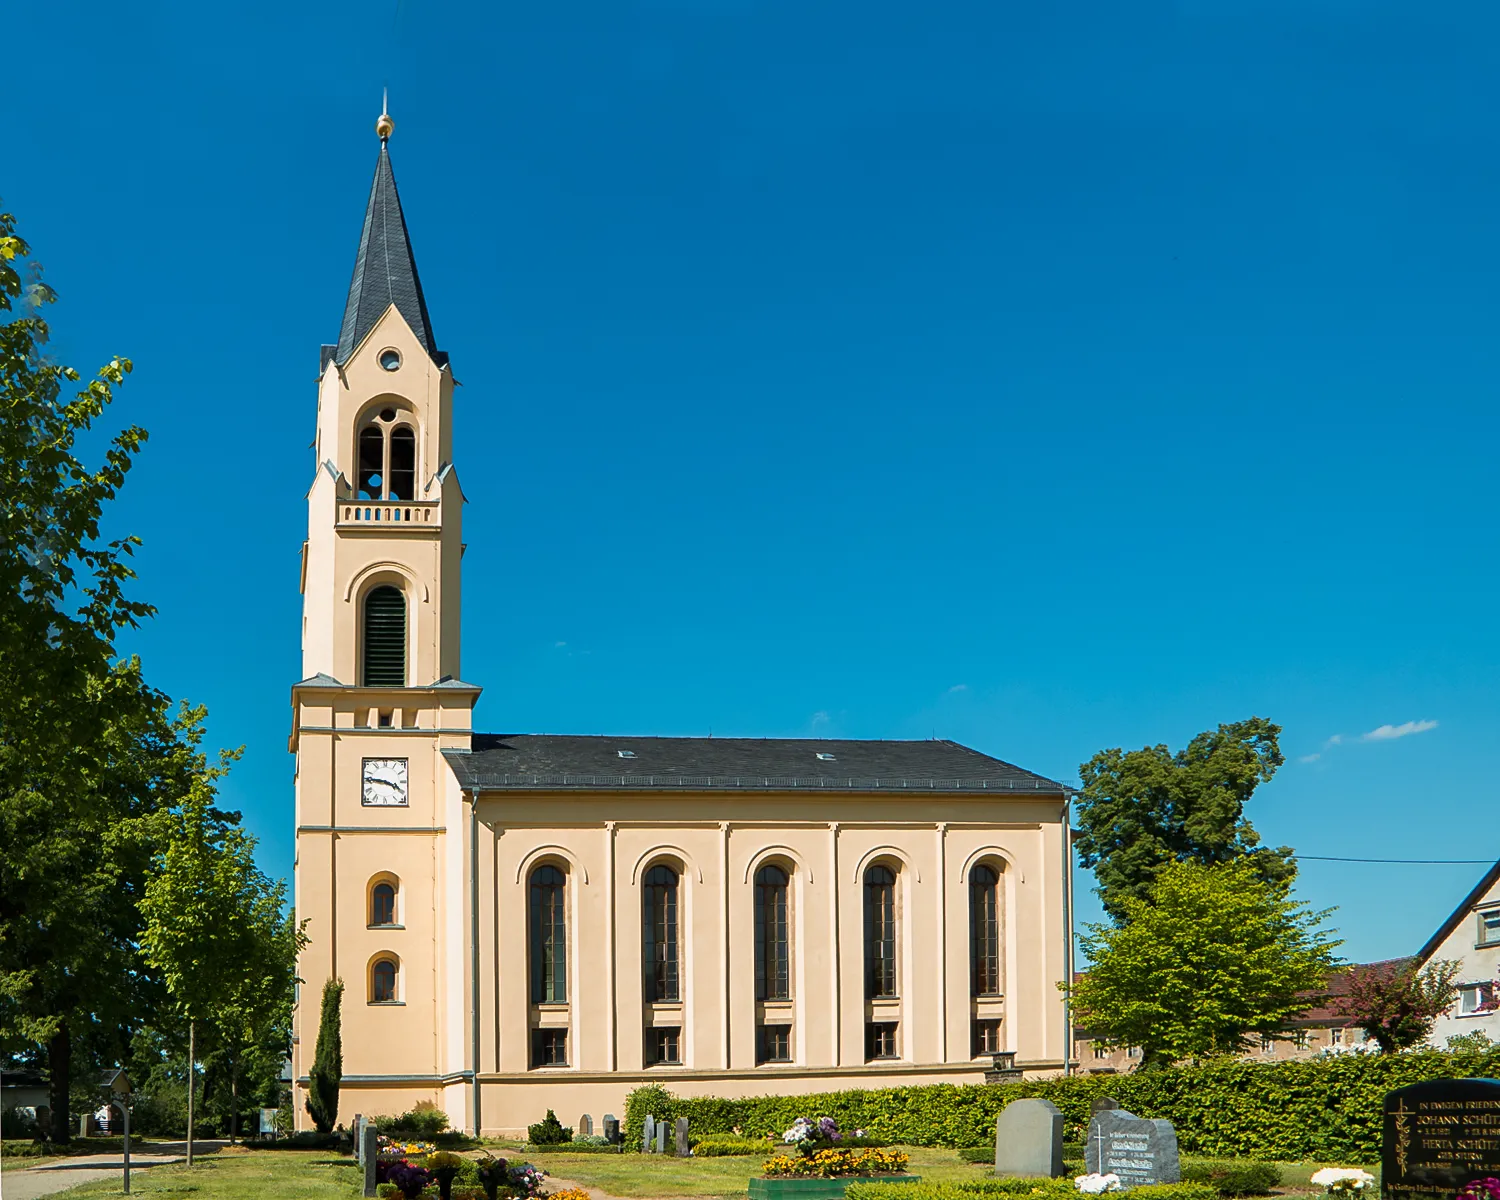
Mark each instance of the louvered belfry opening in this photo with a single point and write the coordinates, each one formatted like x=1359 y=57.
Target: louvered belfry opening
x=385 y=638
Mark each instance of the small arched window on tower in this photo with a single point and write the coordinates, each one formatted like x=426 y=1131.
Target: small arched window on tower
x=383 y=904
x=383 y=981
x=384 y=638
x=387 y=466
x=403 y=463
x=372 y=463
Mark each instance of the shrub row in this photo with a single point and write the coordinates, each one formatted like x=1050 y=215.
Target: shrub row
x=1005 y=1189
x=1312 y=1109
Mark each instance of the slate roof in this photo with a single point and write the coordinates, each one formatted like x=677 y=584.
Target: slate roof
x=557 y=762
x=385 y=271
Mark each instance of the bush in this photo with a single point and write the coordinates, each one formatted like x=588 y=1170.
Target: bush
x=17 y=1123
x=1326 y=1109
x=424 y=1119
x=1234 y=1178
x=723 y=1147
x=549 y=1131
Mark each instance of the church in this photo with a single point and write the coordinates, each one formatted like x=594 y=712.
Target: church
x=524 y=921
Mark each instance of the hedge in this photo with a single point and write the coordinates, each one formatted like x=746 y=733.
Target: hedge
x=1318 y=1109
x=1006 y=1189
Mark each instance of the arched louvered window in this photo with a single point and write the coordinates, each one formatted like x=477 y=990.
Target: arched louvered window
x=984 y=931
x=383 y=904
x=383 y=982
x=773 y=958
x=385 y=638
x=549 y=936
x=371 y=463
x=659 y=934
x=880 y=932
x=403 y=463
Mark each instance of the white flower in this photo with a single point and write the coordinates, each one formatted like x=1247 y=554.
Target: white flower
x=1093 y=1185
x=1343 y=1179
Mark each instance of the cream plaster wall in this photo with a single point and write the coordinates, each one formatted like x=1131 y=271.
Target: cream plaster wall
x=1481 y=964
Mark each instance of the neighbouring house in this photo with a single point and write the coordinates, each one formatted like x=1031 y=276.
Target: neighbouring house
x=24 y=1091
x=533 y=921
x=1322 y=1029
x=1471 y=937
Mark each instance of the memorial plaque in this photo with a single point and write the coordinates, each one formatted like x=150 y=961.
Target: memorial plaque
x=1028 y=1139
x=1139 y=1151
x=1439 y=1135
x=612 y=1129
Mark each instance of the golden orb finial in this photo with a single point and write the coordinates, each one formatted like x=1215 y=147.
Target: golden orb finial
x=384 y=127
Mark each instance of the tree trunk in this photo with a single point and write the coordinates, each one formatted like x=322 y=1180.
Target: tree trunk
x=60 y=1078
x=192 y=1045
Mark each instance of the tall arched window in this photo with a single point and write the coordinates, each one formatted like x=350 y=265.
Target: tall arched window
x=549 y=936
x=659 y=934
x=384 y=638
x=880 y=932
x=371 y=470
x=403 y=463
x=383 y=904
x=773 y=957
x=984 y=931
x=383 y=981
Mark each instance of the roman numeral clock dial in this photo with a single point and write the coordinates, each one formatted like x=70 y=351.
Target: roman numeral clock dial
x=384 y=782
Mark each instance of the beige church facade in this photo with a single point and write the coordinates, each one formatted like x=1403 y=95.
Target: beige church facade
x=529 y=922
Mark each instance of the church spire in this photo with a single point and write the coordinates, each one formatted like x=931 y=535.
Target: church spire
x=385 y=271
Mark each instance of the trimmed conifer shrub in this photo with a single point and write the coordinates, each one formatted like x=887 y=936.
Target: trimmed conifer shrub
x=328 y=1061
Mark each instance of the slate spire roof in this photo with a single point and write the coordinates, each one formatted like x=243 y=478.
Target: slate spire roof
x=385 y=271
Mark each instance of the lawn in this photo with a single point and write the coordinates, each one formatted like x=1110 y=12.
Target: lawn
x=284 y=1174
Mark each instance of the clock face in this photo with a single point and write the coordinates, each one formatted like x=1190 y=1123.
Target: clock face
x=384 y=781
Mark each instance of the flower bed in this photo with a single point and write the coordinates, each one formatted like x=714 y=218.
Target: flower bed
x=834 y=1163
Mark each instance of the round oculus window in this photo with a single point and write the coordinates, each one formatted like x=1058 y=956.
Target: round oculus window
x=387 y=414
x=390 y=359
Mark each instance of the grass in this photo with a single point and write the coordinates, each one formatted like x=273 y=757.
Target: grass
x=284 y=1174
x=18 y=1154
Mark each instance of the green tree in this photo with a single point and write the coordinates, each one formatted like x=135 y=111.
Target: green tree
x=1210 y=956
x=328 y=1061
x=86 y=748
x=1396 y=1003
x=1139 y=810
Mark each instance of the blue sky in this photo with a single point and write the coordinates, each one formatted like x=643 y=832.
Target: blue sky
x=1047 y=377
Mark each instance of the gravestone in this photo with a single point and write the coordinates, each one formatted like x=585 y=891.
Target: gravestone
x=585 y=1126
x=648 y=1137
x=611 y=1129
x=359 y=1139
x=1438 y=1135
x=1101 y=1104
x=1137 y=1150
x=1028 y=1139
x=371 y=1145
x=661 y=1137
x=682 y=1147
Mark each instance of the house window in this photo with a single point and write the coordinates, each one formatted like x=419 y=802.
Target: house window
x=663 y=1045
x=549 y=936
x=383 y=982
x=1100 y=1050
x=773 y=976
x=1267 y=1043
x=384 y=638
x=880 y=933
x=1489 y=927
x=986 y=1037
x=383 y=904
x=1133 y=1052
x=549 y=1047
x=1299 y=1039
x=773 y=1044
x=1475 y=998
x=1335 y=1037
x=659 y=934
x=984 y=931
x=880 y=1039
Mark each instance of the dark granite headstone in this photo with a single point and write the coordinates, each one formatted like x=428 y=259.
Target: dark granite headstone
x=1137 y=1150
x=681 y=1146
x=371 y=1157
x=648 y=1136
x=1439 y=1135
x=1101 y=1104
x=1028 y=1139
x=585 y=1126
x=612 y=1129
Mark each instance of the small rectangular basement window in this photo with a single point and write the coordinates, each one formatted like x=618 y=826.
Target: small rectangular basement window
x=773 y=1044
x=549 y=1047
x=664 y=1045
x=986 y=1037
x=880 y=1039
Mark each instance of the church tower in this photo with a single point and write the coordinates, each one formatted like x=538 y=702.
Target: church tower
x=380 y=697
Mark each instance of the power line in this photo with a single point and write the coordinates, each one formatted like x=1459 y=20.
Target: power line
x=1409 y=862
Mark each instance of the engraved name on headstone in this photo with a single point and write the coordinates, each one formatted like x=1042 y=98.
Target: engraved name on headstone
x=1439 y=1135
x=1028 y=1139
x=1139 y=1151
